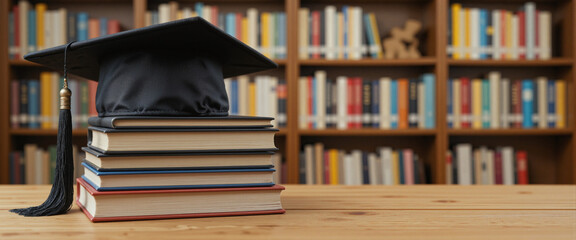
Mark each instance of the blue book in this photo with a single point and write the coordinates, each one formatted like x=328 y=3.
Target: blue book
x=230 y=25
x=198 y=7
x=483 y=35
x=34 y=103
x=393 y=104
x=401 y=166
x=281 y=28
x=430 y=100
x=485 y=103
x=345 y=43
x=551 y=102
x=369 y=35
x=103 y=26
x=176 y=179
x=450 y=104
x=82 y=26
x=32 y=31
x=234 y=97
x=527 y=102
x=365 y=169
x=375 y=104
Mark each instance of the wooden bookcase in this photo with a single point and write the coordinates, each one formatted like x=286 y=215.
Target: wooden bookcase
x=552 y=152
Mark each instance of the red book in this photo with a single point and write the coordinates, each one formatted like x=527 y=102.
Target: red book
x=311 y=117
x=214 y=15
x=521 y=167
x=350 y=102
x=516 y=103
x=103 y=206
x=239 y=17
x=92 y=87
x=16 y=11
x=498 y=177
x=402 y=103
x=503 y=36
x=327 y=167
x=521 y=35
x=113 y=26
x=15 y=104
x=357 y=102
x=316 y=34
x=466 y=101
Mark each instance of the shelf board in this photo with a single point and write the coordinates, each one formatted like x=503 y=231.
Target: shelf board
x=425 y=61
x=509 y=132
x=45 y=132
x=554 y=62
x=367 y=132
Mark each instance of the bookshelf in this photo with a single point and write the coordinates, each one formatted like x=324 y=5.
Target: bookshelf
x=552 y=155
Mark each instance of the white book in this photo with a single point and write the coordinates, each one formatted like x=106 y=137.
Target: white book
x=342 y=106
x=373 y=169
x=47 y=31
x=207 y=13
x=303 y=102
x=474 y=33
x=273 y=99
x=356 y=32
x=252 y=16
x=515 y=38
x=508 y=165
x=260 y=100
x=164 y=13
x=490 y=167
x=385 y=102
x=494 y=82
x=272 y=48
x=330 y=31
x=545 y=34
x=320 y=99
x=277 y=161
x=456 y=106
x=421 y=111
x=387 y=171
x=496 y=35
x=309 y=161
x=357 y=160
x=243 y=82
x=187 y=12
x=348 y=169
x=464 y=163
x=505 y=103
x=530 y=13
x=542 y=83
x=23 y=9
x=303 y=32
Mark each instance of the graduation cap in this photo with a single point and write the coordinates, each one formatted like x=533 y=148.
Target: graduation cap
x=170 y=69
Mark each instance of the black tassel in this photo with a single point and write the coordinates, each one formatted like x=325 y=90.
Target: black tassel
x=61 y=196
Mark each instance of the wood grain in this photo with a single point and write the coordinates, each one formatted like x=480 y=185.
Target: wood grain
x=325 y=212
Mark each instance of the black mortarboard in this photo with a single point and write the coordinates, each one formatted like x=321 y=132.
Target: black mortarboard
x=171 y=69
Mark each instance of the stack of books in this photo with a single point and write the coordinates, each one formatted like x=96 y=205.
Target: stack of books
x=175 y=167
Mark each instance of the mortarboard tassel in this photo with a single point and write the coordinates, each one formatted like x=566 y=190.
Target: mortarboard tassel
x=62 y=193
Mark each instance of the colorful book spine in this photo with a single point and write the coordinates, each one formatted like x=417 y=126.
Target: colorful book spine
x=527 y=103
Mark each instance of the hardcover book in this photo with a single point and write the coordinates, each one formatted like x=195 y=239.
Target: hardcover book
x=176 y=203
x=180 y=122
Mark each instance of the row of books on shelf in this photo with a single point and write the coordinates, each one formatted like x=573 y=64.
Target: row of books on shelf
x=182 y=164
x=260 y=96
x=477 y=33
x=466 y=164
x=353 y=102
x=386 y=166
x=264 y=31
x=35 y=165
x=34 y=102
x=34 y=27
x=500 y=102
x=332 y=34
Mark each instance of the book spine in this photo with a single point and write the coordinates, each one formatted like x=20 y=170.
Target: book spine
x=24 y=98
x=342 y=108
x=385 y=103
x=450 y=103
x=465 y=100
x=521 y=167
x=430 y=100
x=494 y=96
x=403 y=103
x=551 y=102
x=486 y=103
x=516 y=103
x=476 y=103
x=413 y=103
x=375 y=104
x=527 y=103
x=456 y=35
x=530 y=16
x=394 y=106
x=560 y=104
x=366 y=103
x=457 y=105
x=34 y=103
x=15 y=104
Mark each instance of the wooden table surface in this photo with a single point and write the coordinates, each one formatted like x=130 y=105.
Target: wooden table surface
x=541 y=212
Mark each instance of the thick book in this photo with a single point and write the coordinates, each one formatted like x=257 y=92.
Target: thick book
x=232 y=121
x=176 y=179
x=176 y=203
x=166 y=161
x=110 y=140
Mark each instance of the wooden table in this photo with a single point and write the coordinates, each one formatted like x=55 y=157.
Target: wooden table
x=334 y=212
